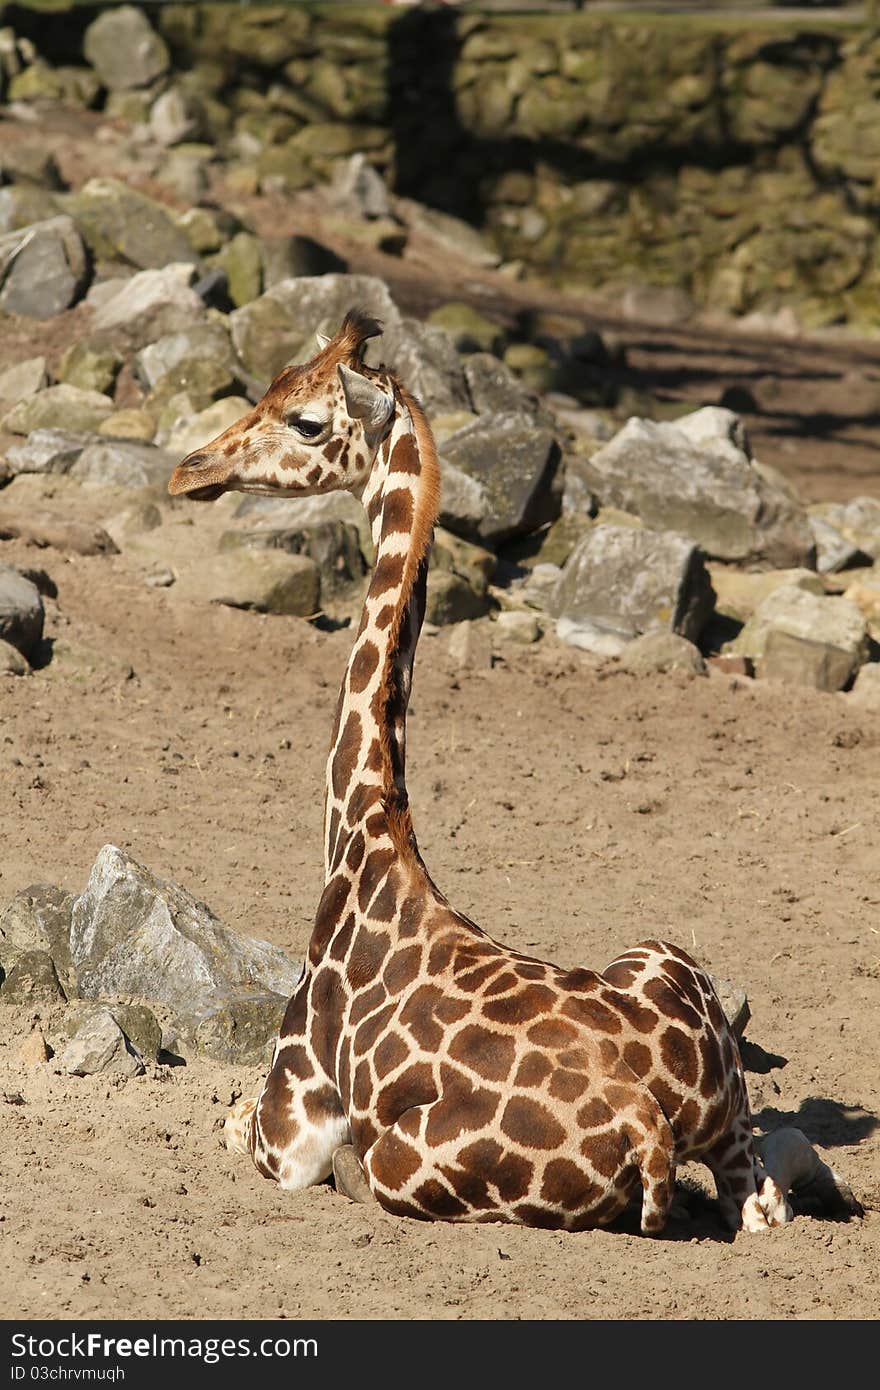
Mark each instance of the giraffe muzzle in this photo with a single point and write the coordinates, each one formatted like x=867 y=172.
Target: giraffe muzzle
x=196 y=478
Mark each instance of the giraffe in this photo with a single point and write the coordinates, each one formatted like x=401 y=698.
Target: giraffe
x=421 y=1061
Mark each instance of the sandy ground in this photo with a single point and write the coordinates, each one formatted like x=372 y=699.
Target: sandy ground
x=570 y=808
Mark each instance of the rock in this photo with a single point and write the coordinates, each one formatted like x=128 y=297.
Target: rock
x=91 y=366
x=494 y=389
x=298 y=513
x=149 y=305
x=122 y=463
x=578 y=498
x=451 y=599
x=518 y=627
x=516 y=462
x=739 y=593
x=540 y=585
x=31 y=976
x=59 y=407
x=470 y=646
x=12 y=663
x=426 y=360
x=833 y=551
x=124 y=49
x=464 y=501
x=864 y=592
x=21 y=612
x=21 y=206
x=664 y=305
x=30 y=164
x=462 y=241
x=43 y=268
x=75 y=537
x=119 y=224
x=47 y=451
x=590 y=637
x=662 y=651
x=333 y=545
x=359 y=188
x=242 y=1031
x=269 y=581
x=695 y=476
x=100 y=1045
x=562 y=537
x=33 y=1052
x=296 y=257
x=241 y=259
x=800 y=638
x=625 y=582
x=141 y=1028
x=280 y=326
x=734 y=1002
x=135 y=425
x=21 y=381
x=136 y=935
x=38 y=919
x=191 y=433
x=469 y=330
x=866 y=687
x=858 y=521
x=731 y=665
x=176 y=115
x=180 y=353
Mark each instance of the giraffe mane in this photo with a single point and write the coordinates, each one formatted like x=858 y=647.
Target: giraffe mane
x=348 y=344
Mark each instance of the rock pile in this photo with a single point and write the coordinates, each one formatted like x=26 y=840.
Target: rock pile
x=145 y=971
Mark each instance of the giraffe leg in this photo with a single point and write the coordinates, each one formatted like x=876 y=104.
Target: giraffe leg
x=653 y=1146
x=349 y=1176
x=747 y=1196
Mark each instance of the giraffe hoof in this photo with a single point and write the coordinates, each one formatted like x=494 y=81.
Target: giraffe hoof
x=349 y=1175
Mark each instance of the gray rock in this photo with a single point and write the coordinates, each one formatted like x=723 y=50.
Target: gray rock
x=833 y=551
x=696 y=477
x=120 y=224
x=136 y=935
x=625 y=581
x=30 y=977
x=268 y=581
x=22 y=205
x=739 y=593
x=288 y=258
x=21 y=612
x=150 y=305
x=175 y=351
x=470 y=646
x=734 y=1001
x=99 y=1045
x=464 y=503
x=494 y=389
x=47 y=451
x=655 y=652
x=242 y=1031
x=124 y=49
x=516 y=626
x=38 y=919
x=292 y=513
x=141 y=1028
x=12 y=663
x=588 y=636
x=427 y=363
x=451 y=598
x=280 y=326
x=866 y=687
x=59 y=407
x=20 y=381
x=333 y=545
x=188 y=431
x=515 y=461
x=176 y=115
x=123 y=463
x=800 y=638
x=451 y=234
x=359 y=187
x=43 y=269
x=857 y=521
x=89 y=365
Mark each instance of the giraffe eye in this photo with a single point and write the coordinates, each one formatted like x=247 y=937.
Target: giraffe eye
x=309 y=429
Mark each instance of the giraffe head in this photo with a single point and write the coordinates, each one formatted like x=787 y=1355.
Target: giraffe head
x=316 y=429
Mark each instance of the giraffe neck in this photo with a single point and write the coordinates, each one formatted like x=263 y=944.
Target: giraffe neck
x=366 y=766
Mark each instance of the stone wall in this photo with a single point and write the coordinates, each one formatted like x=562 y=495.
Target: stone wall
x=734 y=159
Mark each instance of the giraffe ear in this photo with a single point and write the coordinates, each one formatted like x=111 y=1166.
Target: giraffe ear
x=323 y=341
x=364 y=400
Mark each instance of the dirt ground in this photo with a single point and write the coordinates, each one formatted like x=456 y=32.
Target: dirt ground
x=569 y=808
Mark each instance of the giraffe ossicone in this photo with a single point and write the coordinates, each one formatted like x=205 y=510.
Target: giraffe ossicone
x=472 y=1082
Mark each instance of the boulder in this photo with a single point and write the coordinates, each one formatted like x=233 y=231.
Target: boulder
x=122 y=225
x=470 y=646
x=738 y=593
x=124 y=49
x=452 y=599
x=696 y=476
x=149 y=305
x=268 y=581
x=464 y=501
x=192 y=431
x=20 y=381
x=656 y=652
x=333 y=545
x=866 y=687
x=12 y=663
x=834 y=552
x=43 y=268
x=624 y=581
x=425 y=359
x=519 y=627
x=803 y=639
x=494 y=389
x=280 y=326
x=100 y=1045
x=122 y=463
x=61 y=407
x=297 y=513
x=516 y=462
x=21 y=205
x=47 y=451
x=92 y=366
x=136 y=935
x=30 y=977
x=21 y=612
x=857 y=521
x=469 y=330
x=175 y=116
x=452 y=235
